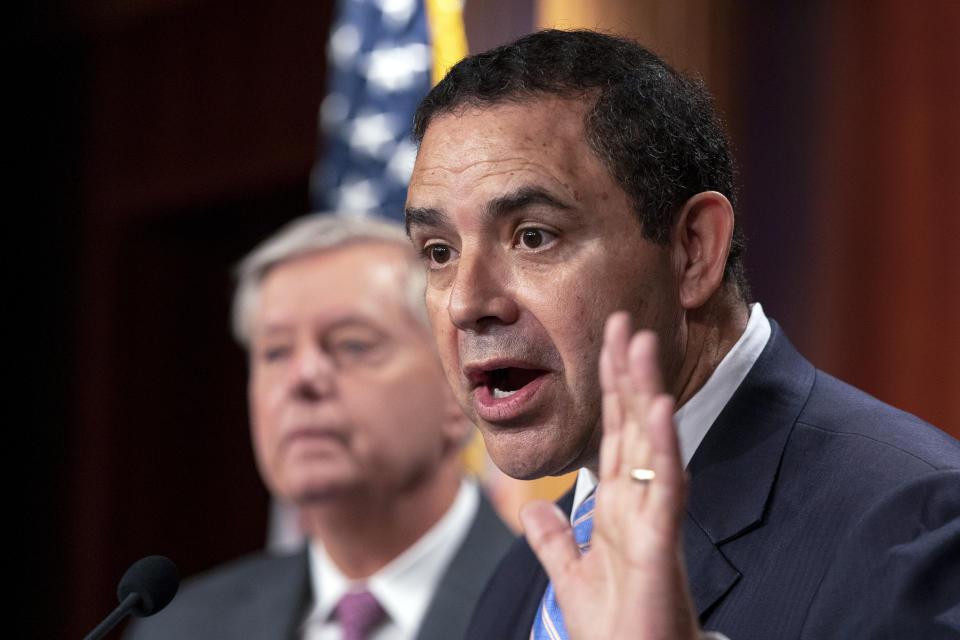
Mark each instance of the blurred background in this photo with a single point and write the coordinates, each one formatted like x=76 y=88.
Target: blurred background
x=156 y=141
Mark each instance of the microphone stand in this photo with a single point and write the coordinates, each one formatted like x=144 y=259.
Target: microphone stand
x=126 y=606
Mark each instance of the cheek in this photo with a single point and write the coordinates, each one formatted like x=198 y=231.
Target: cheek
x=262 y=446
x=393 y=427
x=571 y=308
x=436 y=302
x=444 y=333
x=269 y=392
x=258 y=403
x=264 y=403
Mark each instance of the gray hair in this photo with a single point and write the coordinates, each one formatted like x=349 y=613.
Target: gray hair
x=311 y=234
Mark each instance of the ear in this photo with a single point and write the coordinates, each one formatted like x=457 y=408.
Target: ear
x=701 y=241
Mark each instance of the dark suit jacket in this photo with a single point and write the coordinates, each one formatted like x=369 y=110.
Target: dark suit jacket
x=815 y=511
x=266 y=597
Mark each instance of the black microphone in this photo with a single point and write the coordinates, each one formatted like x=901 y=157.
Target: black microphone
x=148 y=586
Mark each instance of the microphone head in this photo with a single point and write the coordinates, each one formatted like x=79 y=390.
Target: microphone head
x=155 y=579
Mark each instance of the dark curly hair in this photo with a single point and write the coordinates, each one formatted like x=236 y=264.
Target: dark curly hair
x=655 y=129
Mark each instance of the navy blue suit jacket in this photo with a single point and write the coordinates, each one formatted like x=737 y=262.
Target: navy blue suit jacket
x=815 y=511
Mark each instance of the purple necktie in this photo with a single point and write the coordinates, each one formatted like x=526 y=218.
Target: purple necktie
x=359 y=613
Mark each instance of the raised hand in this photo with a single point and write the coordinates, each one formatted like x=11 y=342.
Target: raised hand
x=632 y=583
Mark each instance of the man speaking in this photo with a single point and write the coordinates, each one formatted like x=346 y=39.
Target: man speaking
x=570 y=186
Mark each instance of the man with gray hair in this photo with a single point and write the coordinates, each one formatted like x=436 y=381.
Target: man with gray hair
x=353 y=422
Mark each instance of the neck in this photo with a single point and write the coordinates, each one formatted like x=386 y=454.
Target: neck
x=363 y=531
x=707 y=335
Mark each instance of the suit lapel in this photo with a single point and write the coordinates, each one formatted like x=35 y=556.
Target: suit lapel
x=509 y=603
x=275 y=605
x=711 y=576
x=461 y=584
x=734 y=469
x=506 y=607
x=528 y=605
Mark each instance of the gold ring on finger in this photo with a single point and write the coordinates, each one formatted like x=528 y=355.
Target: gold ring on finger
x=641 y=475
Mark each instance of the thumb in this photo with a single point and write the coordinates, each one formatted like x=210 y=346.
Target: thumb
x=550 y=536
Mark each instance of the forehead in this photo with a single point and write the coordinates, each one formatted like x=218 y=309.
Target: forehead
x=363 y=280
x=538 y=126
x=479 y=151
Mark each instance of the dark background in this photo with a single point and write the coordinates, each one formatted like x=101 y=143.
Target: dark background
x=155 y=142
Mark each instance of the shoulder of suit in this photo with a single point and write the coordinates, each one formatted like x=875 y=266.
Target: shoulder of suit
x=248 y=569
x=209 y=600
x=844 y=412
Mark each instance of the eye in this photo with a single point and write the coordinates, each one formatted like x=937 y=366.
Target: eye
x=438 y=254
x=274 y=354
x=534 y=238
x=355 y=346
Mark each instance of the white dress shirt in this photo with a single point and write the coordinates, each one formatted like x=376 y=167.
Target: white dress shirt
x=404 y=588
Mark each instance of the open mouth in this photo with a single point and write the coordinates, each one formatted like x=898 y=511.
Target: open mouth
x=503 y=383
x=504 y=394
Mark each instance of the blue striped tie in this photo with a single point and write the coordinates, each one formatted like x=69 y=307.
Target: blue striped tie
x=548 y=625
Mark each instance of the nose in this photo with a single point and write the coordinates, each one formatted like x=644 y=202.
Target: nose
x=480 y=296
x=312 y=373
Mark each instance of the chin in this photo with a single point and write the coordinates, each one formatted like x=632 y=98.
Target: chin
x=533 y=453
x=523 y=463
x=313 y=491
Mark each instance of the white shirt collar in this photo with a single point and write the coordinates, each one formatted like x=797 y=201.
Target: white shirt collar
x=406 y=585
x=693 y=419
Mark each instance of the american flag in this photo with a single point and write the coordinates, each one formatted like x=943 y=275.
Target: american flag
x=379 y=69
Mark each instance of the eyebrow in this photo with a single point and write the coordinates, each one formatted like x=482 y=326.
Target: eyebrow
x=286 y=327
x=423 y=217
x=497 y=208
x=522 y=197
x=354 y=321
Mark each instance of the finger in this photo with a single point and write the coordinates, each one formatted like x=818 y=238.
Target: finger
x=550 y=536
x=638 y=386
x=613 y=353
x=610 y=453
x=668 y=491
x=612 y=367
x=610 y=398
x=644 y=364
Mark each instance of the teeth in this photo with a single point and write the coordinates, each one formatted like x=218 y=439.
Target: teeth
x=500 y=393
